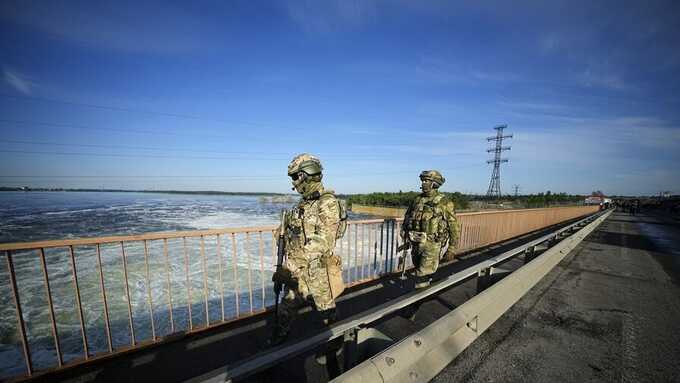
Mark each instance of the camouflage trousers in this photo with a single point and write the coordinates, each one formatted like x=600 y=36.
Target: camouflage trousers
x=313 y=284
x=425 y=256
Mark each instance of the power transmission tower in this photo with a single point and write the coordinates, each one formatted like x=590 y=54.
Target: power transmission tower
x=516 y=187
x=495 y=184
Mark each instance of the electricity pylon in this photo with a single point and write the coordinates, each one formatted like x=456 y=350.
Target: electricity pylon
x=494 y=190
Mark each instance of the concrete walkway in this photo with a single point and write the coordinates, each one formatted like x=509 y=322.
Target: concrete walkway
x=609 y=312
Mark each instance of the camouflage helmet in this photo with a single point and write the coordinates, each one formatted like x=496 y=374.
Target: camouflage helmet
x=305 y=163
x=432 y=175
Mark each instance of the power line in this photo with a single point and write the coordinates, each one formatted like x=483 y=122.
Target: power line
x=230 y=137
x=344 y=175
x=141 y=111
x=134 y=131
x=161 y=156
x=118 y=155
x=138 y=176
x=132 y=147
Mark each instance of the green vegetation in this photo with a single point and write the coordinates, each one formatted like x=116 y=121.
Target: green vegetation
x=548 y=199
x=403 y=199
x=400 y=199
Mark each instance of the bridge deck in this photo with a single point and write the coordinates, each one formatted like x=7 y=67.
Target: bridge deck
x=609 y=311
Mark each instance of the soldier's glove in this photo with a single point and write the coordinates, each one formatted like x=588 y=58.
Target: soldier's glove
x=284 y=276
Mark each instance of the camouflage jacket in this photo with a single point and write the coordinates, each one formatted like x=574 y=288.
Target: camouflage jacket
x=433 y=215
x=311 y=229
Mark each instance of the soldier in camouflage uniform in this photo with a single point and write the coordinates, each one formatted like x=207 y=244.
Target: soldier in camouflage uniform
x=310 y=236
x=429 y=224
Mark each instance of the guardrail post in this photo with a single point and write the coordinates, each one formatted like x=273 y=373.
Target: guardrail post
x=529 y=254
x=350 y=348
x=484 y=279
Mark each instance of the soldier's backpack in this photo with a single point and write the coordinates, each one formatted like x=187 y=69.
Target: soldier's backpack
x=342 y=211
x=334 y=262
x=342 y=226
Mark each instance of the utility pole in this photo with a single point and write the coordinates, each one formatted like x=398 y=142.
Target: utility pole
x=494 y=190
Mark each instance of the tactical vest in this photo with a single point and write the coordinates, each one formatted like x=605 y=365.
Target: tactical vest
x=304 y=219
x=427 y=216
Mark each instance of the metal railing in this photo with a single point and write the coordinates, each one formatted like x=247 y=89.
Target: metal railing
x=80 y=299
x=348 y=328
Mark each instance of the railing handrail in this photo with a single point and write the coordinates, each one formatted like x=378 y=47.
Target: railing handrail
x=85 y=241
x=93 y=241
x=498 y=211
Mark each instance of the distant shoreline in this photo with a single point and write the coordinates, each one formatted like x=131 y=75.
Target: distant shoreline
x=191 y=192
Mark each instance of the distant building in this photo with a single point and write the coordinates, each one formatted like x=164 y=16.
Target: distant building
x=602 y=201
x=594 y=200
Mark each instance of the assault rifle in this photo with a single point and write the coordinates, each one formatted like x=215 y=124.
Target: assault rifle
x=403 y=247
x=280 y=254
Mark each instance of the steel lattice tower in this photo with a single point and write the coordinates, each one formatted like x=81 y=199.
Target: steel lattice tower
x=495 y=184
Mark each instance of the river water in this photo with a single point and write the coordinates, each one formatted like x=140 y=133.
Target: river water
x=32 y=216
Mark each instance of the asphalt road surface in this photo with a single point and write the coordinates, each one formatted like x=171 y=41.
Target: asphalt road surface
x=610 y=311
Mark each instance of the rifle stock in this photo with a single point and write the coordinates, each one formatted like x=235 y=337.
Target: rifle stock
x=280 y=254
x=404 y=246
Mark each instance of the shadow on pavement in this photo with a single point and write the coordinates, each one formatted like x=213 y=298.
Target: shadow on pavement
x=633 y=241
x=647 y=221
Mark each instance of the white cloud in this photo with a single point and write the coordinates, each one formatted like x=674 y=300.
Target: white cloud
x=495 y=76
x=601 y=79
x=447 y=71
x=440 y=149
x=533 y=107
x=328 y=16
x=440 y=71
x=647 y=132
x=620 y=145
x=619 y=156
x=18 y=82
x=549 y=42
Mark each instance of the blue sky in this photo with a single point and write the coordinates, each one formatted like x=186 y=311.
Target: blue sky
x=213 y=95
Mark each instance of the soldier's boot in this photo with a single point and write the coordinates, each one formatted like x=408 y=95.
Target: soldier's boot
x=422 y=282
x=279 y=336
x=281 y=329
x=334 y=347
x=329 y=316
x=410 y=312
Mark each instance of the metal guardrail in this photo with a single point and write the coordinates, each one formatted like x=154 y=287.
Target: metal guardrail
x=421 y=356
x=269 y=358
x=202 y=279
